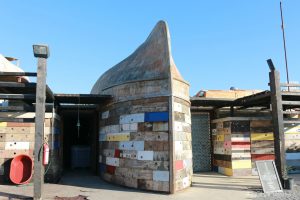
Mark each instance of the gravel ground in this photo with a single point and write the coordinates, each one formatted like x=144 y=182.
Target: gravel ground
x=285 y=195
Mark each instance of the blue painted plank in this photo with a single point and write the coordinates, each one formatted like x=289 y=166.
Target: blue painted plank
x=215 y=168
x=156 y=116
x=292 y=156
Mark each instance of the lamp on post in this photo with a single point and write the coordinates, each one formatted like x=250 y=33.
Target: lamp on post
x=42 y=53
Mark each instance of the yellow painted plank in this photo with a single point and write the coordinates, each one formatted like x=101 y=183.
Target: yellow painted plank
x=289 y=130
x=262 y=136
x=118 y=137
x=3 y=124
x=241 y=164
x=220 y=137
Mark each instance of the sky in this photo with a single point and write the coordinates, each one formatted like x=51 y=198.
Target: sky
x=215 y=44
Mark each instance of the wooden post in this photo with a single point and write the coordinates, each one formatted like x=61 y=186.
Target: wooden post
x=278 y=123
x=38 y=176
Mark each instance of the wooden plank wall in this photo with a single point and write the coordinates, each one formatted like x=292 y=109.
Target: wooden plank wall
x=292 y=145
x=231 y=147
x=262 y=142
x=134 y=137
x=258 y=144
x=18 y=138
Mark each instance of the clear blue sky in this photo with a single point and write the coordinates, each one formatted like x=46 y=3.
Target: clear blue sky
x=215 y=44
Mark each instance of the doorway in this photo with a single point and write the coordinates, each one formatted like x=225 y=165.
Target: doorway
x=80 y=139
x=201 y=142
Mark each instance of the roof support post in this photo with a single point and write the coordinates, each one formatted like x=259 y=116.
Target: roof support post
x=278 y=123
x=42 y=53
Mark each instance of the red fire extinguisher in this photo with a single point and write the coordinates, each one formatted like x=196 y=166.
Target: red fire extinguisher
x=46 y=154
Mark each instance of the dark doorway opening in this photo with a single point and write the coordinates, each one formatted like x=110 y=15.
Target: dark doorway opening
x=80 y=147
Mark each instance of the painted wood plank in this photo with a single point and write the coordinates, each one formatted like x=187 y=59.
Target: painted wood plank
x=293 y=156
x=129 y=127
x=112 y=161
x=262 y=144
x=255 y=157
x=132 y=118
x=145 y=155
x=156 y=116
x=3 y=124
x=240 y=137
x=131 y=145
x=161 y=175
x=149 y=136
x=134 y=173
x=241 y=164
x=125 y=136
x=16 y=145
x=182 y=127
x=130 y=154
x=17 y=130
x=105 y=115
x=292 y=129
x=292 y=136
x=262 y=151
x=145 y=126
x=177 y=107
x=262 y=136
x=13 y=153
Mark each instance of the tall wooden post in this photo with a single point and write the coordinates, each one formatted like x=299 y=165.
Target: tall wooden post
x=42 y=53
x=278 y=123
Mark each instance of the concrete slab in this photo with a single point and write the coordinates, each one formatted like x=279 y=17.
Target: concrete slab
x=210 y=186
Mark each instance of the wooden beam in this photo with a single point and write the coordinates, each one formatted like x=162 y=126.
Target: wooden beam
x=18 y=73
x=38 y=175
x=294 y=103
x=277 y=118
x=9 y=119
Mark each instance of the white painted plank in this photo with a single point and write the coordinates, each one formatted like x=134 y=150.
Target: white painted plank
x=178 y=146
x=129 y=127
x=187 y=119
x=177 y=107
x=132 y=118
x=161 y=175
x=16 y=145
x=145 y=155
x=112 y=161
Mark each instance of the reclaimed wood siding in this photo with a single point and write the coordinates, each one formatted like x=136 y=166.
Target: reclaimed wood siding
x=183 y=166
x=134 y=136
x=18 y=138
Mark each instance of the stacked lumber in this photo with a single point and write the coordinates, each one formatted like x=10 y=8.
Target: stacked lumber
x=262 y=142
x=18 y=138
x=231 y=145
x=292 y=145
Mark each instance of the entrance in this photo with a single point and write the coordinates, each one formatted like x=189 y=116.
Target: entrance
x=201 y=142
x=80 y=147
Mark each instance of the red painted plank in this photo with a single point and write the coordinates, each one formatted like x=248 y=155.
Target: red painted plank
x=117 y=153
x=240 y=143
x=262 y=157
x=179 y=164
x=110 y=169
